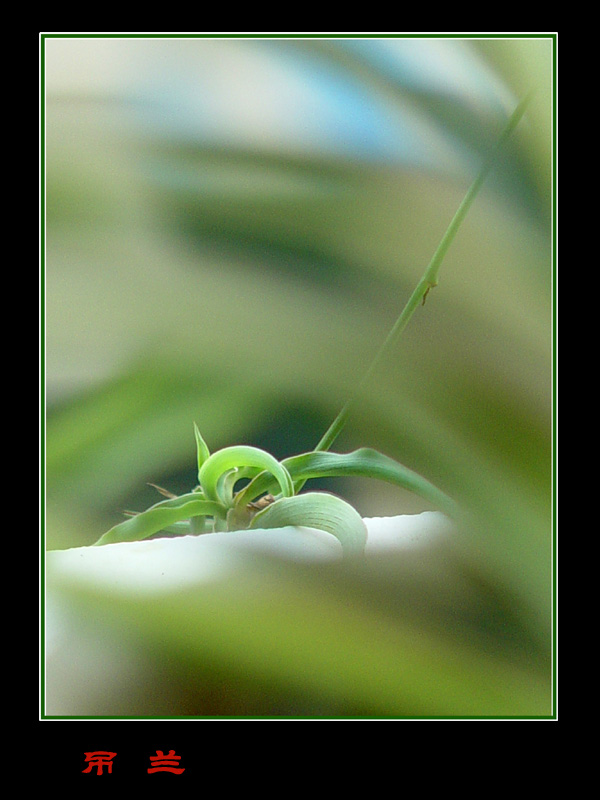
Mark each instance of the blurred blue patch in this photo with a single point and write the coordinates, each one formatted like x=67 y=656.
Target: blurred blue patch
x=434 y=66
x=270 y=95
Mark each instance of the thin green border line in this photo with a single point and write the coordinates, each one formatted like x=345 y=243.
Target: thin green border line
x=42 y=563
x=554 y=383
x=454 y=36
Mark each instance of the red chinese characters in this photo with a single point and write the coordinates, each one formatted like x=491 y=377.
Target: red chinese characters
x=99 y=759
x=168 y=763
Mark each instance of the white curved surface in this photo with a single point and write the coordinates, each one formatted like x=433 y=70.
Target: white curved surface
x=160 y=565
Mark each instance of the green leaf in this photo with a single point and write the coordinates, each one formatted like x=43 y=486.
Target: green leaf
x=227 y=481
x=319 y=510
x=229 y=458
x=364 y=462
x=161 y=516
x=201 y=448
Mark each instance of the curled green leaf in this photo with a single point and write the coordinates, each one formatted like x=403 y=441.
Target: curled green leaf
x=242 y=456
x=227 y=481
x=320 y=510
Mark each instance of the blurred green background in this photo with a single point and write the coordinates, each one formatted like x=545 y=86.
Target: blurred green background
x=232 y=226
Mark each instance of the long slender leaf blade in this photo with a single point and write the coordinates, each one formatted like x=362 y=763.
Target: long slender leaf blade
x=365 y=463
x=160 y=517
x=368 y=463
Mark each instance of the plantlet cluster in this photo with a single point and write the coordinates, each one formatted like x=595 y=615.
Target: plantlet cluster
x=271 y=498
x=272 y=495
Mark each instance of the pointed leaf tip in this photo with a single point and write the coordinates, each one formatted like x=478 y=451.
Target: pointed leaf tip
x=201 y=447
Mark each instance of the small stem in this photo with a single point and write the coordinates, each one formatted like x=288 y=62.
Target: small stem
x=430 y=276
